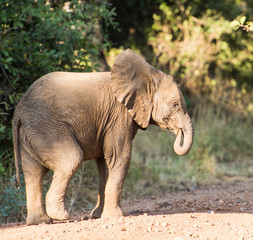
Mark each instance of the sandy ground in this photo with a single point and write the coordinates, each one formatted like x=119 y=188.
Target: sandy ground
x=215 y=212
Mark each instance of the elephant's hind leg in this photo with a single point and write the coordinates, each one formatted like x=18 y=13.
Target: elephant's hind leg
x=69 y=159
x=34 y=173
x=97 y=211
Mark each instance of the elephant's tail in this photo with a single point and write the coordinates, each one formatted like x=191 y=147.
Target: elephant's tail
x=15 y=132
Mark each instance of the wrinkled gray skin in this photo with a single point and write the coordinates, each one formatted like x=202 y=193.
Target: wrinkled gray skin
x=67 y=118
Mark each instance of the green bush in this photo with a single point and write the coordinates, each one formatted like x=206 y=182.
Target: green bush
x=204 y=54
x=13 y=203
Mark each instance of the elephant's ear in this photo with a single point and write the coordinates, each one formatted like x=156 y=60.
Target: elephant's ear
x=130 y=81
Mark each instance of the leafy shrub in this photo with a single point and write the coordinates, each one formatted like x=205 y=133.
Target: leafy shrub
x=247 y=26
x=204 y=54
x=13 y=203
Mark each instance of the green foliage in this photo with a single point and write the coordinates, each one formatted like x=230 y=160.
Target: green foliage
x=2 y=169
x=236 y=24
x=12 y=203
x=42 y=36
x=204 y=54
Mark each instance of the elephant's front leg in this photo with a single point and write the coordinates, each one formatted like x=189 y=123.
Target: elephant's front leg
x=117 y=170
x=97 y=211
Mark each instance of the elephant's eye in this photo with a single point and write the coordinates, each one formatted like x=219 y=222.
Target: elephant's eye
x=174 y=105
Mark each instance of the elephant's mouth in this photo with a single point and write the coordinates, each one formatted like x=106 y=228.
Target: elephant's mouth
x=168 y=124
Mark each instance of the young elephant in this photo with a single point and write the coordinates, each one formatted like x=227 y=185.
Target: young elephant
x=67 y=118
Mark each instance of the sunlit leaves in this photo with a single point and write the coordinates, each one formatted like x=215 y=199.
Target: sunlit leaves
x=241 y=23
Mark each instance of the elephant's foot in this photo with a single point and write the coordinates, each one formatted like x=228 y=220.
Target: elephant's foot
x=33 y=219
x=97 y=212
x=112 y=212
x=57 y=213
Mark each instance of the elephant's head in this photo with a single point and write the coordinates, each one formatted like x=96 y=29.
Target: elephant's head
x=151 y=96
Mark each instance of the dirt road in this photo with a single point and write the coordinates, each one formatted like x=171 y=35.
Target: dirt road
x=216 y=212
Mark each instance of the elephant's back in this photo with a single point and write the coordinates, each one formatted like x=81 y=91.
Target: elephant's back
x=61 y=95
x=60 y=83
x=58 y=87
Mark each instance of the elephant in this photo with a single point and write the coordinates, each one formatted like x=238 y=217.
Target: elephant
x=66 y=118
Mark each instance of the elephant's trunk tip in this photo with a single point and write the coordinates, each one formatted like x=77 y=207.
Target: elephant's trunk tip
x=186 y=143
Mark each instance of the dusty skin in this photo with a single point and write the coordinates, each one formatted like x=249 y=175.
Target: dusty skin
x=215 y=212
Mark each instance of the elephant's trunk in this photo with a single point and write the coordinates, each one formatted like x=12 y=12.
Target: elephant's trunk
x=187 y=132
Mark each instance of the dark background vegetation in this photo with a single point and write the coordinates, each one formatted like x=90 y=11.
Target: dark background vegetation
x=192 y=40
